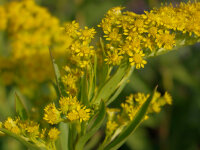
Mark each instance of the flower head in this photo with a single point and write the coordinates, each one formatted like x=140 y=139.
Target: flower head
x=84 y=113
x=52 y=115
x=168 y=98
x=73 y=115
x=68 y=104
x=87 y=34
x=111 y=126
x=137 y=59
x=165 y=40
x=71 y=29
x=53 y=134
x=12 y=126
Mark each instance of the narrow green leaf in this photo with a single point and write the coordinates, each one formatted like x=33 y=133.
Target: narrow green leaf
x=92 y=77
x=112 y=84
x=102 y=46
x=96 y=125
x=104 y=69
x=122 y=137
x=60 y=85
x=84 y=89
x=63 y=138
x=24 y=141
x=20 y=108
x=121 y=85
x=72 y=136
x=95 y=140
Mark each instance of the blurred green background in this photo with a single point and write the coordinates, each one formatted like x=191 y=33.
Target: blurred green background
x=177 y=127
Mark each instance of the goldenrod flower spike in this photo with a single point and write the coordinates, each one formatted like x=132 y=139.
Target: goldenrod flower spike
x=144 y=34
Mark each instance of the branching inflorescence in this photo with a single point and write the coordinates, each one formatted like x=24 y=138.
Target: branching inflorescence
x=96 y=74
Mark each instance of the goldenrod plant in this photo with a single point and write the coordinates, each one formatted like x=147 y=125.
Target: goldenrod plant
x=97 y=70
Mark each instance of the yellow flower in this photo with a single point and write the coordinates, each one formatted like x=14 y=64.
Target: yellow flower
x=32 y=128
x=71 y=28
x=137 y=60
x=129 y=99
x=84 y=114
x=139 y=25
x=68 y=103
x=152 y=31
x=155 y=105
x=78 y=112
x=73 y=115
x=141 y=97
x=69 y=81
x=133 y=111
x=42 y=134
x=87 y=34
x=113 y=58
x=126 y=107
x=52 y=115
x=53 y=134
x=168 y=98
x=111 y=126
x=11 y=125
x=165 y=40
x=114 y=35
x=115 y=11
x=158 y=101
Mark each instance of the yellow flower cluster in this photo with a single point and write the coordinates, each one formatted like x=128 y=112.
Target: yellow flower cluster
x=11 y=125
x=137 y=36
x=31 y=30
x=158 y=101
x=79 y=49
x=70 y=81
x=70 y=107
x=31 y=130
x=133 y=103
x=73 y=109
x=131 y=106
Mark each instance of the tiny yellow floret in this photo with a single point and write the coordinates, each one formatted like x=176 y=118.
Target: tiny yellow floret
x=73 y=115
x=168 y=98
x=111 y=126
x=137 y=60
x=53 y=134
